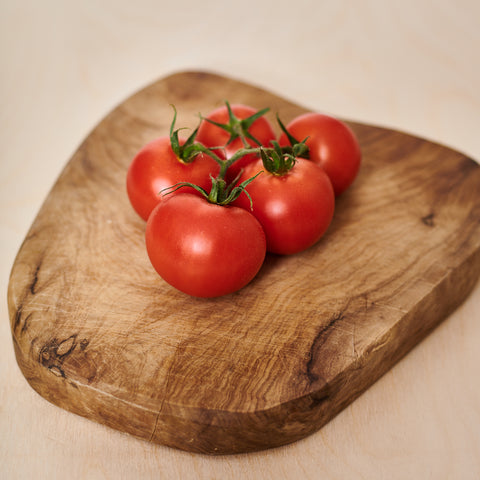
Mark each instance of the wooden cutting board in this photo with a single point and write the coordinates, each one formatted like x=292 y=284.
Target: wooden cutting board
x=98 y=333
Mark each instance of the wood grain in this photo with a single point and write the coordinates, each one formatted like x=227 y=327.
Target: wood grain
x=98 y=333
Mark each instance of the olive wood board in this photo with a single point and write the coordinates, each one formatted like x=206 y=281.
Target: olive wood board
x=97 y=332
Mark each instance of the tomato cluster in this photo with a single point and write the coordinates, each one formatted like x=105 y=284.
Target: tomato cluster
x=216 y=202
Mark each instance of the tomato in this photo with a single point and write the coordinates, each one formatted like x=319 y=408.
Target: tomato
x=294 y=209
x=213 y=136
x=204 y=249
x=156 y=167
x=332 y=145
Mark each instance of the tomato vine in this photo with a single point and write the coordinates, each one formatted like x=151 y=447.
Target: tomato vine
x=232 y=180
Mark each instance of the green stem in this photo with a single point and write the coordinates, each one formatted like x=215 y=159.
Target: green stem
x=276 y=159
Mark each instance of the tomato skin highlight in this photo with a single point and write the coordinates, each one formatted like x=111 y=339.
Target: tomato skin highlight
x=212 y=136
x=332 y=145
x=156 y=167
x=295 y=209
x=203 y=249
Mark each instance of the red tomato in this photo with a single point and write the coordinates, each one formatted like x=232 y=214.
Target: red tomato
x=294 y=209
x=332 y=145
x=204 y=249
x=156 y=167
x=213 y=136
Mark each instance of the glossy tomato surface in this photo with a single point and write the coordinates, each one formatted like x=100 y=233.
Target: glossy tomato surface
x=156 y=167
x=295 y=209
x=213 y=136
x=332 y=145
x=203 y=249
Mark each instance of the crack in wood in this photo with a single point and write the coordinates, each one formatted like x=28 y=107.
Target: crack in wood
x=18 y=316
x=316 y=344
x=35 y=277
x=160 y=409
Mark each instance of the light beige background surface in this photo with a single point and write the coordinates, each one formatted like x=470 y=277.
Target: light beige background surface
x=410 y=65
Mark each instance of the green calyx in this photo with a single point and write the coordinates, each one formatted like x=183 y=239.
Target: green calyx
x=221 y=193
x=187 y=152
x=280 y=160
x=239 y=128
x=276 y=161
x=299 y=149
